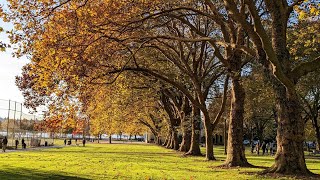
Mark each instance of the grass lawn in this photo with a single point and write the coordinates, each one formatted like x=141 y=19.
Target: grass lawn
x=125 y=161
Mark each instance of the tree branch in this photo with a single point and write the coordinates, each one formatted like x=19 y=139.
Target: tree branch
x=305 y=68
x=223 y=104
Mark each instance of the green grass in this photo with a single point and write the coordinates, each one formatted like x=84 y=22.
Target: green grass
x=125 y=161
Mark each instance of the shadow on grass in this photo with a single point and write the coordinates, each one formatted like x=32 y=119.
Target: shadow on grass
x=24 y=173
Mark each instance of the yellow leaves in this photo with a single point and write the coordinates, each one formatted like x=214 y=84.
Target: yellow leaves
x=302 y=14
x=52 y=51
x=313 y=10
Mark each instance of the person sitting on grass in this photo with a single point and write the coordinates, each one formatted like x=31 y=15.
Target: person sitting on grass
x=4 y=144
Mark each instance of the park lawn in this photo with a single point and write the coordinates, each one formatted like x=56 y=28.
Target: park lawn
x=125 y=161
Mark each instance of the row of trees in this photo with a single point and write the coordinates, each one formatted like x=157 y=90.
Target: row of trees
x=161 y=63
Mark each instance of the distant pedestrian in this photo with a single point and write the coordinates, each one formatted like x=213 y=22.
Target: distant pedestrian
x=23 y=144
x=252 y=147
x=84 y=142
x=267 y=147
x=4 y=144
x=258 y=147
x=17 y=143
x=272 y=149
x=65 y=142
x=263 y=146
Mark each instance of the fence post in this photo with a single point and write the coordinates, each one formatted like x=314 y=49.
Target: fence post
x=14 y=121
x=20 y=115
x=8 y=120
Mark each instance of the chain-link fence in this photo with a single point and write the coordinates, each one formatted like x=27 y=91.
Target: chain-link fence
x=17 y=124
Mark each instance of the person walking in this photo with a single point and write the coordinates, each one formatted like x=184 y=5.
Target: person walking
x=271 y=148
x=65 y=142
x=267 y=147
x=263 y=146
x=258 y=147
x=84 y=142
x=252 y=147
x=17 y=143
x=4 y=144
x=23 y=144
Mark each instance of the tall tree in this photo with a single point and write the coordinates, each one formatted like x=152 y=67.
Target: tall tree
x=272 y=51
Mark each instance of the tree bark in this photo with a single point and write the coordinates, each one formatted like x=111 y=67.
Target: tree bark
x=175 y=142
x=195 y=132
x=186 y=140
x=318 y=138
x=110 y=139
x=166 y=140
x=209 y=137
x=186 y=133
x=169 y=144
x=235 y=149
x=289 y=158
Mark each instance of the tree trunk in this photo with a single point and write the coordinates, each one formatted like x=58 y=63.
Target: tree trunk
x=186 y=134
x=175 y=142
x=186 y=141
x=169 y=144
x=159 y=140
x=318 y=138
x=166 y=141
x=110 y=139
x=317 y=131
x=209 y=137
x=235 y=149
x=195 y=132
x=289 y=158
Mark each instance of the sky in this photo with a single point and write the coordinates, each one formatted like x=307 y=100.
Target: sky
x=10 y=67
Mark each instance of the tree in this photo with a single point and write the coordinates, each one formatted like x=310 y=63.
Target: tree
x=309 y=91
x=259 y=106
x=272 y=51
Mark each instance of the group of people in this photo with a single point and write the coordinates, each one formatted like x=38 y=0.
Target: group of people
x=266 y=147
x=4 y=144
x=24 y=145
x=76 y=141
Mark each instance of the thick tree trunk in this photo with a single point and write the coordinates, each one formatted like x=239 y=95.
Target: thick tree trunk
x=175 y=142
x=289 y=158
x=209 y=137
x=186 y=140
x=186 y=134
x=195 y=132
x=235 y=149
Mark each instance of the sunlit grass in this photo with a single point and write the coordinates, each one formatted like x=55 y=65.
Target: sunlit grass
x=125 y=161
